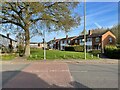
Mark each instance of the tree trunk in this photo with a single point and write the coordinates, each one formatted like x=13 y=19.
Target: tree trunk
x=27 y=42
x=27 y=48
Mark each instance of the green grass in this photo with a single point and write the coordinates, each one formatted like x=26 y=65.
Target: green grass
x=37 y=54
x=8 y=57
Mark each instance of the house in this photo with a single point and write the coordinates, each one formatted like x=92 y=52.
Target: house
x=101 y=39
x=66 y=42
x=95 y=39
x=54 y=44
x=34 y=44
x=61 y=43
x=5 y=41
x=41 y=45
x=37 y=45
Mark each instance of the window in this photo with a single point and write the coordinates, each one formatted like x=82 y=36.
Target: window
x=97 y=39
x=81 y=40
x=68 y=41
x=75 y=41
x=110 y=39
x=63 y=42
x=89 y=39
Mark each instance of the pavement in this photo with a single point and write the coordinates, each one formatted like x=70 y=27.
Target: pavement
x=20 y=73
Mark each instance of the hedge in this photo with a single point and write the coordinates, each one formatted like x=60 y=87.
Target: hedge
x=74 y=48
x=112 y=52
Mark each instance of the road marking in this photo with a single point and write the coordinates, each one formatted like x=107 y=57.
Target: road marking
x=78 y=71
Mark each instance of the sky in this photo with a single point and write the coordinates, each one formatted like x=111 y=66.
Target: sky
x=98 y=15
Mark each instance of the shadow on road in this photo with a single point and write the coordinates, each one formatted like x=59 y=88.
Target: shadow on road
x=29 y=80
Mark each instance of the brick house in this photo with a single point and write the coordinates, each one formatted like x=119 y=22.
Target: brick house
x=66 y=42
x=101 y=39
x=54 y=44
x=95 y=39
x=61 y=43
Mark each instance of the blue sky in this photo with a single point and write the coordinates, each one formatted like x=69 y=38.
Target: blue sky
x=98 y=14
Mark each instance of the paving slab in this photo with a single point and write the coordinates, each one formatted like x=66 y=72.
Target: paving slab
x=42 y=75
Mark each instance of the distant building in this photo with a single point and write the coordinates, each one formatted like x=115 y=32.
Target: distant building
x=37 y=45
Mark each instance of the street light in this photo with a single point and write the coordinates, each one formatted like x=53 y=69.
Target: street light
x=85 y=29
x=44 y=45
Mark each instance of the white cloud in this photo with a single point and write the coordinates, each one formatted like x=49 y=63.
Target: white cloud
x=97 y=25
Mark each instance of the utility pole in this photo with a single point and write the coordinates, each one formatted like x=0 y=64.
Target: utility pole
x=44 y=46
x=85 y=28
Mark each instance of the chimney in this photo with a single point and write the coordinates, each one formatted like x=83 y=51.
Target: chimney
x=66 y=36
x=7 y=35
x=90 y=32
x=54 y=38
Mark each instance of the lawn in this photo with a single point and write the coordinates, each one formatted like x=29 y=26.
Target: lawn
x=8 y=57
x=37 y=54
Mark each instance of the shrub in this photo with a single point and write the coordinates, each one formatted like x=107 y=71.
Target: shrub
x=112 y=52
x=21 y=50
x=4 y=50
x=95 y=52
x=74 y=48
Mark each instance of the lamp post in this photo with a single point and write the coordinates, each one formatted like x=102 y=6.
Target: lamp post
x=85 y=29
x=44 y=45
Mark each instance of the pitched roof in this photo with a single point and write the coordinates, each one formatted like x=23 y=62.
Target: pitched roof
x=71 y=38
x=81 y=36
x=98 y=33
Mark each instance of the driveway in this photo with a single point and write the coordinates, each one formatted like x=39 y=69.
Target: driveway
x=95 y=75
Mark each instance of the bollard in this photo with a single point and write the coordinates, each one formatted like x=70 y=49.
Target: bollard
x=55 y=56
x=98 y=55
x=35 y=56
x=64 y=56
x=92 y=55
x=30 y=56
x=73 y=56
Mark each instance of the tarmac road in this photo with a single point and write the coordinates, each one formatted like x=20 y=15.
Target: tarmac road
x=94 y=75
x=77 y=75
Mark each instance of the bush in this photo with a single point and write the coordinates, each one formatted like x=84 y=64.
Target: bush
x=20 y=50
x=4 y=50
x=74 y=48
x=112 y=52
x=95 y=52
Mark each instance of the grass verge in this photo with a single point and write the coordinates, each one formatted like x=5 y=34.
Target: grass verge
x=37 y=54
x=7 y=57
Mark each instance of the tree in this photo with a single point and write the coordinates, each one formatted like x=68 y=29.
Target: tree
x=29 y=15
x=116 y=31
